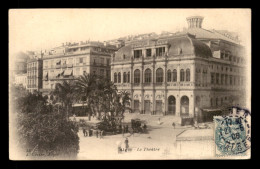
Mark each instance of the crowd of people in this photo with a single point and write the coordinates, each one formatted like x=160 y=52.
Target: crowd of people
x=88 y=132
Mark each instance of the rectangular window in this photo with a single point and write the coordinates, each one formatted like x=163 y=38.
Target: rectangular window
x=102 y=60
x=160 y=51
x=77 y=71
x=70 y=61
x=212 y=78
x=148 y=52
x=64 y=62
x=222 y=79
x=137 y=53
x=101 y=72
x=217 y=78
x=108 y=62
x=80 y=60
x=226 y=79
x=231 y=80
x=46 y=64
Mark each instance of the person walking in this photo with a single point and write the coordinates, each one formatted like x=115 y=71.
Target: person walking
x=173 y=124
x=84 y=132
x=126 y=129
x=126 y=144
x=123 y=130
x=101 y=134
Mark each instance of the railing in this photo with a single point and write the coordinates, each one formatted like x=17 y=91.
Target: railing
x=147 y=84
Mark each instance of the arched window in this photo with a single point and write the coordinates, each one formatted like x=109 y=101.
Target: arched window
x=187 y=75
x=174 y=75
x=137 y=76
x=128 y=77
x=115 y=77
x=124 y=77
x=159 y=75
x=147 y=76
x=119 y=77
x=182 y=75
x=169 y=76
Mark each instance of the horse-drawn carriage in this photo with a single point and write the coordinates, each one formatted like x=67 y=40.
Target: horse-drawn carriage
x=137 y=126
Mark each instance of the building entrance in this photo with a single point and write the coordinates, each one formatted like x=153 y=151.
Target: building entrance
x=136 y=106
x=184 y=106
x=147 y=107
x=158 y=107
x=171 y=105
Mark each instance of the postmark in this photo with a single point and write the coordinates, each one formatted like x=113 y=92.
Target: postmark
x=233 y=133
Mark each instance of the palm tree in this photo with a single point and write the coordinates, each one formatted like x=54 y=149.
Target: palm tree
x=65 y=93
x=84 y=88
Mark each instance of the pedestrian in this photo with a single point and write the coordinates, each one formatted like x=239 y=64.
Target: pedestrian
x=144 y=128
x=87 y=132
x=101 y=134
x=123 y=130
x=159 y=121
x=173 y=124
x=74 y=117
x=84 y=132
x=126 y=144
x=97 y=133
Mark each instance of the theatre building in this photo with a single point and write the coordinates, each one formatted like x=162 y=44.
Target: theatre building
x=173 y=75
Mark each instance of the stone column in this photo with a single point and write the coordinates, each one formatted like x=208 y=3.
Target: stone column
x=153 y=83
x=178 y=105
x=192 y=104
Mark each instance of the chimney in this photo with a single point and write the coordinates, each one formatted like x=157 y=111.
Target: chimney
x=194 y=21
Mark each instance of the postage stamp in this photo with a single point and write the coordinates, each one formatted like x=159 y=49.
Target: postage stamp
x=233 y=133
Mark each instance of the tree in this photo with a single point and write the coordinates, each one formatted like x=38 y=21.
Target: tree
x=41 y=129
x=65 y=93
x=85 y=87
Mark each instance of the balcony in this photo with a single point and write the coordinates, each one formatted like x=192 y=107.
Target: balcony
x=158 y=83
x=147 y=84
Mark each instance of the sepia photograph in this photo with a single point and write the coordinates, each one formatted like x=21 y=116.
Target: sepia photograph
x=129 y=84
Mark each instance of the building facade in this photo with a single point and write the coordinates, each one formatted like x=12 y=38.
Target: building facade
x=72 y=60
x=34 y=74
x=174 y=75
x=21 y=79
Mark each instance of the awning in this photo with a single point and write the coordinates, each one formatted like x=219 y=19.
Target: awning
x=59 y=72
x=45 y=74
x=67 y=72
x=58 y=62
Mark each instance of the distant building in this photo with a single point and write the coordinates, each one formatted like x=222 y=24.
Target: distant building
x=74 y=59
x=173 y=75
x=21 y=79
x=18 y=65
x=34 y=74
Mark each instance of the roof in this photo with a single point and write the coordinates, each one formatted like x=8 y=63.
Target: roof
x=185 y=42
x=201 y=33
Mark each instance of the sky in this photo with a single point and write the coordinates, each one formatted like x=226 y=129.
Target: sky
x=36 y=29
